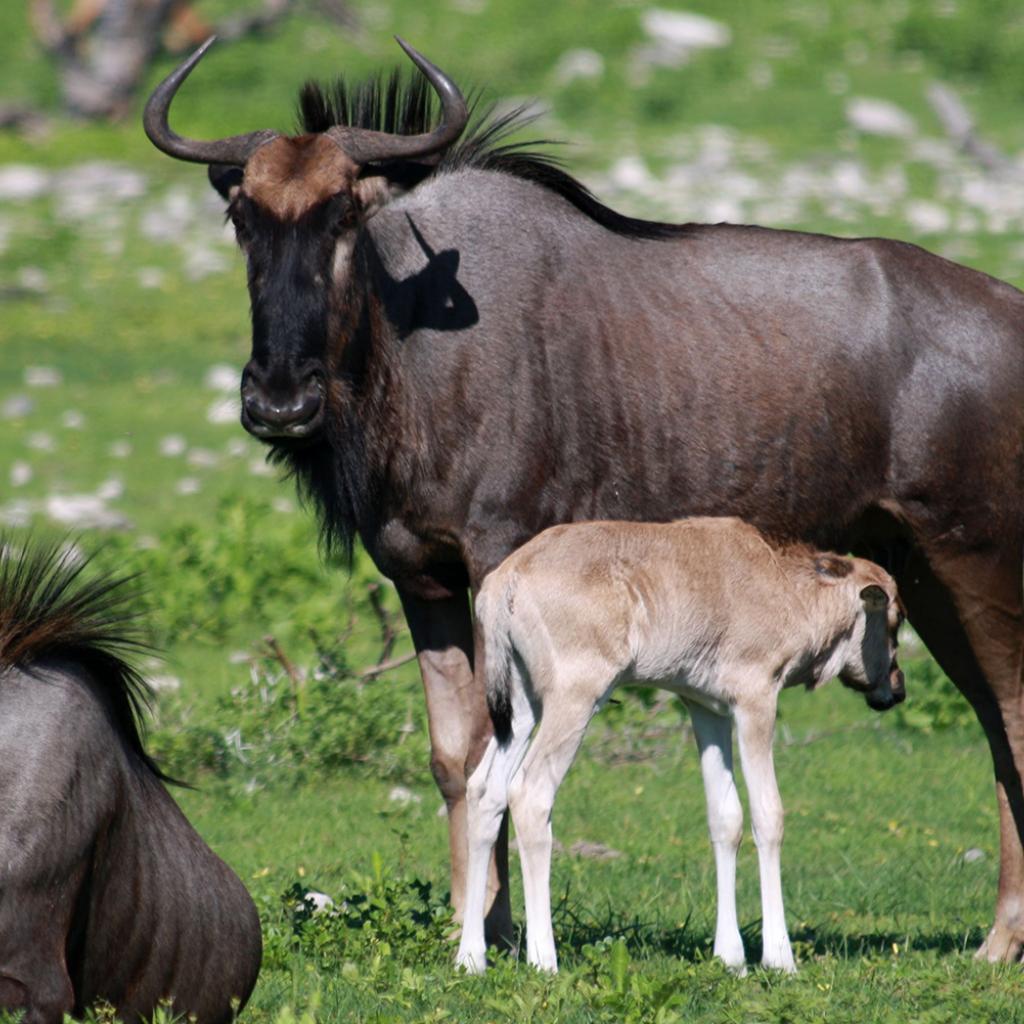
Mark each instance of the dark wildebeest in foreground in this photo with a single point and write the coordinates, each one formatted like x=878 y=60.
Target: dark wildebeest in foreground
x=455 y=345
x=106 y=891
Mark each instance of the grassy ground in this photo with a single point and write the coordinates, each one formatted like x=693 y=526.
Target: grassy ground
x=122 y=279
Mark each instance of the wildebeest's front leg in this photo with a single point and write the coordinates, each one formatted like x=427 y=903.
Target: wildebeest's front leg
x=460 y=727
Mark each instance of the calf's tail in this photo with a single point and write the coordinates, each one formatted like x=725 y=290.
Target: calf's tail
x=495 y=616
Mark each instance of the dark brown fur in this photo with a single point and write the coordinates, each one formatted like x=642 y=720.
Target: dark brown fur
x=107 y=893
x=502 y=353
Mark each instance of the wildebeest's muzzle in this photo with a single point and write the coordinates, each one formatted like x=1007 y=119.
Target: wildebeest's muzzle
x=273 y=410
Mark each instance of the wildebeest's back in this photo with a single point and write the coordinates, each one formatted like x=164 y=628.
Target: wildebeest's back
x=791 y=379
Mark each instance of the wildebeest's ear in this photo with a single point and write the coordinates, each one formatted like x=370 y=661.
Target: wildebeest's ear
x=225 y=178
x=875 y=598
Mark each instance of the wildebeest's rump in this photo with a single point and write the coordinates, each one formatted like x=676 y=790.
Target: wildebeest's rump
x=106 y=891
x=455 y=345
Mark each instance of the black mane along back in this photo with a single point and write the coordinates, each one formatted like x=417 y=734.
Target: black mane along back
x=49 y=610
x=404 y=104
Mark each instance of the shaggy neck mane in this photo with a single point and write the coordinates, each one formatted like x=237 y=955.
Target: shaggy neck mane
x=49 y=612
x=404 y=104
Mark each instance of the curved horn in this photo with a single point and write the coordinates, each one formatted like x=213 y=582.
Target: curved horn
x=235 y=150
x=364 y=146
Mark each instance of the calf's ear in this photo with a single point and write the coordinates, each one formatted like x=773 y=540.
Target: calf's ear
x=875 y=598
x=225 y=178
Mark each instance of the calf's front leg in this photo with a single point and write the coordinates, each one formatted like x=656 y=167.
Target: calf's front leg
x=725 y=823
x=755 y=726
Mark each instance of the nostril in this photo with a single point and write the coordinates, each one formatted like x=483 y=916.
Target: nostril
x=283 y=411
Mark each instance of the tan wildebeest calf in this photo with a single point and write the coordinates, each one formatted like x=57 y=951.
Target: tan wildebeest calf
x=706 y=608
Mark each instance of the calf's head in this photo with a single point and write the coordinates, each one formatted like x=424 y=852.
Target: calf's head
x=297 y=203
x=869 y=662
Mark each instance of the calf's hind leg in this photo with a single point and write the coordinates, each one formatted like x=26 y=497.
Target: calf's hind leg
x=486 y=804
x=725 y=823
x=755 y=725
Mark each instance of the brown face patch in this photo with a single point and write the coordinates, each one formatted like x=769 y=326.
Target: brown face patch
x=289 y=176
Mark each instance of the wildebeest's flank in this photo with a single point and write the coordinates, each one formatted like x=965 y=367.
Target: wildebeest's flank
x=106 y=891
x=455 y=346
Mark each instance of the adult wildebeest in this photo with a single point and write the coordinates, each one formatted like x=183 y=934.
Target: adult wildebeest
x=706 y=608
x=106 y=891
x=455 y=345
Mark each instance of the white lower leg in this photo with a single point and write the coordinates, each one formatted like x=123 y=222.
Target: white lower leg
x=484 y=821
x=725 y=824
x=487 y=801
x=756 y=732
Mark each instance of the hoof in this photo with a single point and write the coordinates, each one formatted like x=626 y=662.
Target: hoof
x=472 y=962
x=1002 y=946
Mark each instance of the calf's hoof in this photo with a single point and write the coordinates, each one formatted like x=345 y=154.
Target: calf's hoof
x=780 y=959
x=472 y=961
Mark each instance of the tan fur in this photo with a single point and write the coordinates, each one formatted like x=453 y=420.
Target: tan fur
x=289 y=176
x=707 y=608
x=630 y=593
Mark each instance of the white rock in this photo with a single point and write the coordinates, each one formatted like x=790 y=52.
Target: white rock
x=21 y=182
x=173 y=445
x=164 y=683
x=83 y=510
x=202 y=458
x=150 y=277
x=926 y=217
x=973 y=855
x=879 y=117
x=684 y=30
x=226 y=409
x=577 y=64
x=72 y=419
x=187 y=485
x=110 y=489
x=17 y=513
x=321 y=902
x=119 y=449
x=221 y=377
x=16 y=407
x=42 y=377
x=40 y=441
x=21 y=473
x=401 y=795
x=201 y=262
x=630 y=174
x=33 y=279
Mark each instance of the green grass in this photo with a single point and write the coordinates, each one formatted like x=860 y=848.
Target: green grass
x=883 y=909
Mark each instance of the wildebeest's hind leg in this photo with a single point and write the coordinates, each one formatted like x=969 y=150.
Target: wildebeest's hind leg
x=33 y=975
x=460 y=727
x=967 y=609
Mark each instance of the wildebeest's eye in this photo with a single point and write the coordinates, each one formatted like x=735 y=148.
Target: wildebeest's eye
x=237 y=216
x=341 y=212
